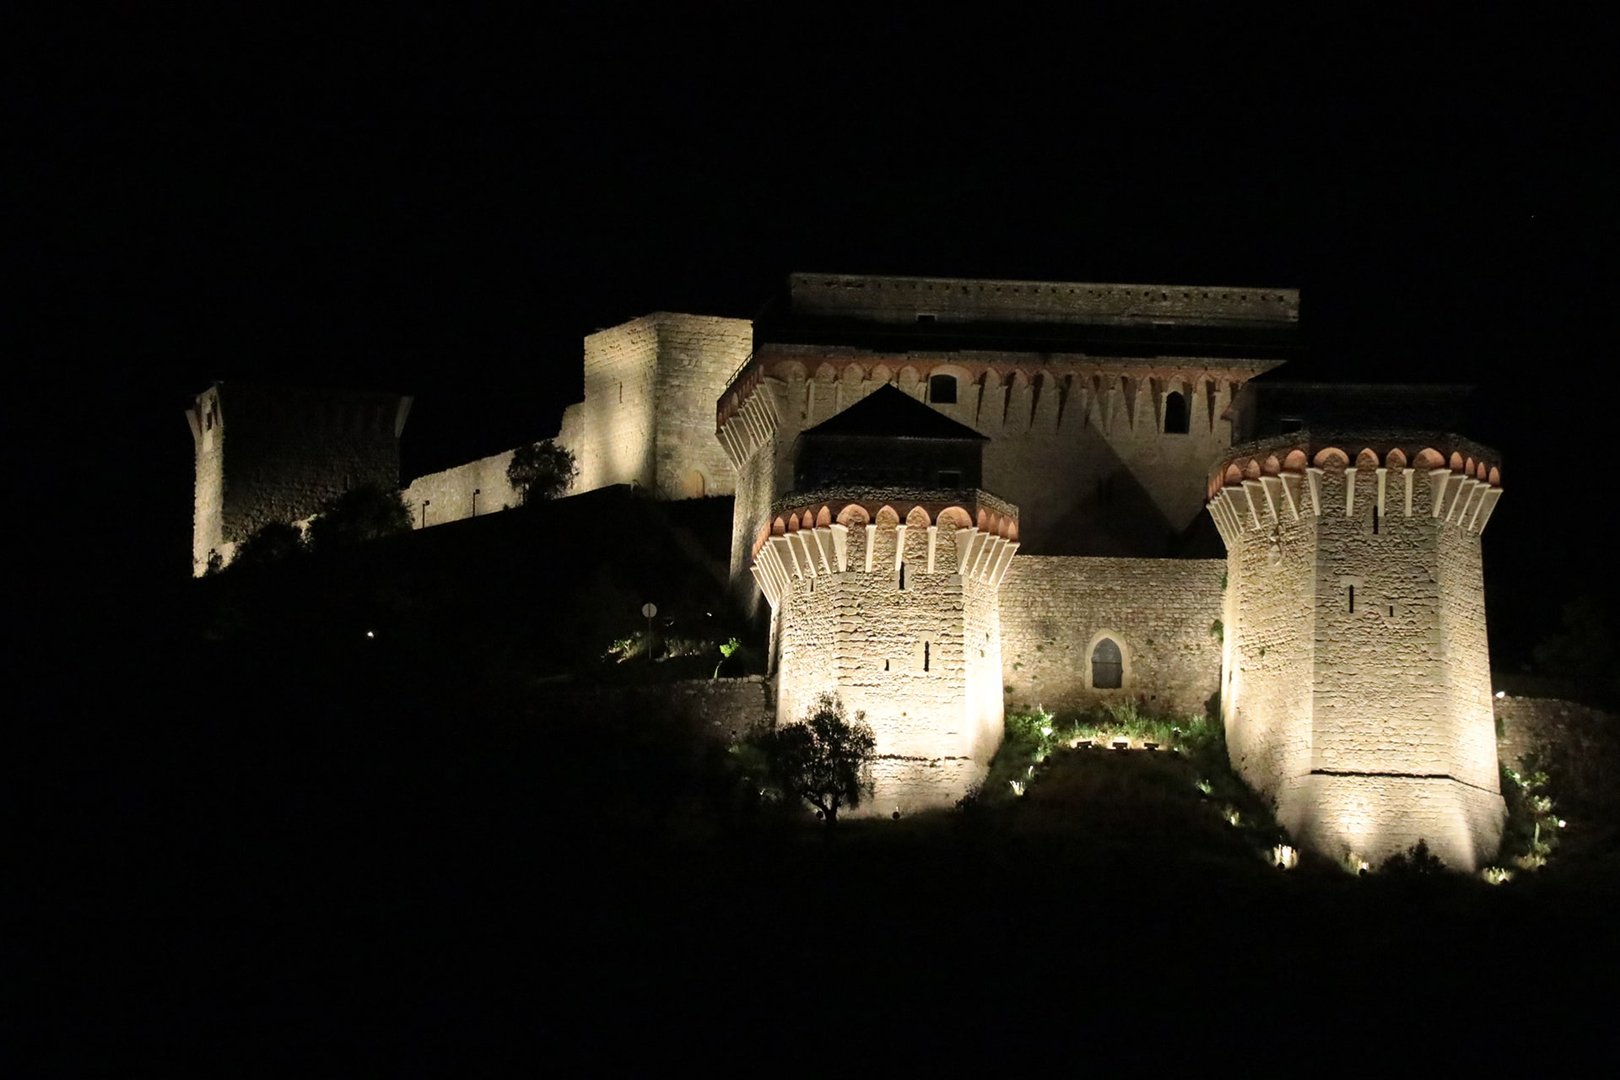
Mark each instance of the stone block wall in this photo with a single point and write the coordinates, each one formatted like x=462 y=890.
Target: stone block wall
x=1159 y=611
x=697 y=355
x=900 y=300
x=276 y=454
x=721 y=709
x=1525 y=722
x=612 y=433
x=450 y=494
x=915 y=649
x=1358 y=679
x=1129 y=488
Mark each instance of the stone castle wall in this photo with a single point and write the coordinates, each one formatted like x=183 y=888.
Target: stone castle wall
x=275 y=454
x=612 y=432
x=1526 y=722
x=647 y=419
x=1128 y=486
x=697 y=356
x=1159 y=611
x=912 y=643
x=464 y=491
x=900 y=300
x=1358 y=675
x=721 y=709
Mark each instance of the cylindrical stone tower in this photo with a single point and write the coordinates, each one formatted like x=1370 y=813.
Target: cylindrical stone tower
x=1355 y=677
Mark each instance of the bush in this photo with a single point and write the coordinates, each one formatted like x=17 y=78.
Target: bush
x=270 y=543
x=541 y=471
x=358 y=516
x=823 y=760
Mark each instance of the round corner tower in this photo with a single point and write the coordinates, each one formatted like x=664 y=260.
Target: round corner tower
x=882 y=570
x=1355 y=674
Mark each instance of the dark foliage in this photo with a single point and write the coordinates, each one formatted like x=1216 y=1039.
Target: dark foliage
x=541 y=471
x=823 y=759
x=358 y=516
x=271 y=543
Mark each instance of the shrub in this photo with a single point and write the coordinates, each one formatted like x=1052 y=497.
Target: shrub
x=358 y=516
x=541 y=471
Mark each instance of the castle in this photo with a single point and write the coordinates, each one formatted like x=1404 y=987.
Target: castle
x=953 y=497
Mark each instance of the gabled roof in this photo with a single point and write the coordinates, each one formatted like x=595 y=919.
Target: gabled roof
x=891 y=412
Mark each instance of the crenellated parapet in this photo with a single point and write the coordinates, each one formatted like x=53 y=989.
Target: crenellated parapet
x=1044 y=390
x=1355 y=662
x=884 y=530
x=1447 y=478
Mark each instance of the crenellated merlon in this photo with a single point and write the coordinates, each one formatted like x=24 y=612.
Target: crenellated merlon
x=1443 y=477
x=971 y=534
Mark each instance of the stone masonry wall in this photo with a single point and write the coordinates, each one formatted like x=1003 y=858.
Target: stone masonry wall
x=1358 y=686
x=616 y=423
x=1526 y=721
x=450 y=493
x=919 y=661
x=1269 y=634
x=277 y=454
x=697 y=355
x=1129 y=487
x=717 y=708
x=901 y=299
x=1159 y=611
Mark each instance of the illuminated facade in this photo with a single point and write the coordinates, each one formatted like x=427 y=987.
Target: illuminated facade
x=1180 y=530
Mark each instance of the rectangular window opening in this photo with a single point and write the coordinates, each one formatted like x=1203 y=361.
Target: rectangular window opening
x=1352 y=589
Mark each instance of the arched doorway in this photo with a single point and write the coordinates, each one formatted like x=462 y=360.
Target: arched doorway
x=1107 y=665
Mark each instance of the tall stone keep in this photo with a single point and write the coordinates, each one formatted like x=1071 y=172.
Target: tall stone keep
x=1355 y=675
x=882 y=567
x=275 y=454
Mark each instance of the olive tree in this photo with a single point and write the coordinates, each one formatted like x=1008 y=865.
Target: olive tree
x=541 y=470
x=824 y=759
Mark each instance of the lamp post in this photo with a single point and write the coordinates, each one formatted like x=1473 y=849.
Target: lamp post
x=648 y=611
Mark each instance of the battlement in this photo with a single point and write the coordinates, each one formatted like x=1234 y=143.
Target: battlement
x=1080 y=378
x=903 y=300
x=1264 y=483
x=811 y=535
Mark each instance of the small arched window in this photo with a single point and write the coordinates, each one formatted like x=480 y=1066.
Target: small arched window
x=1107 y=666
x=942 y=389
x=1175 y=413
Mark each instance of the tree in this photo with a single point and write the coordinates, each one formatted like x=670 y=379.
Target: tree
x=824 y=759
x=271 y=542
x=359 y=515
x=541 y=470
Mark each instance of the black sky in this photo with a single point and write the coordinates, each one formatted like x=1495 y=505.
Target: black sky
x=441 y=203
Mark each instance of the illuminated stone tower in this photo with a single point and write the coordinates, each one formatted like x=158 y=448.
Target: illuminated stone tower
x=882 y=569
x=1355 y=676
x=267 y=453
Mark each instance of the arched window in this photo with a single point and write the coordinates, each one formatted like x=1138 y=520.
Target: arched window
x=1107 y=666
x=942 y=389
x=1175 y=414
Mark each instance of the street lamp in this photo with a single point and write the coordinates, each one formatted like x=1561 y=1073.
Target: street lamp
x=647 y=612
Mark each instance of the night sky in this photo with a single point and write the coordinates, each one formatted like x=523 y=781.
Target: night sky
x=440 y=204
